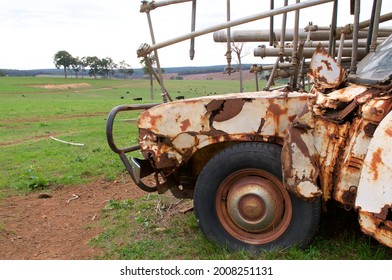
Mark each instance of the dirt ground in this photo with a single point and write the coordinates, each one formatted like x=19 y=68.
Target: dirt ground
x=57 y=224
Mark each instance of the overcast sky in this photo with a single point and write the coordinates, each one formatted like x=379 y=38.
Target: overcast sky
x=32 y=31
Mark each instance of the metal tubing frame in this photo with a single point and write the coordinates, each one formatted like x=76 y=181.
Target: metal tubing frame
x=281 y=49
x=266 y=14
x=263 y=35
x=307 y=52
x=341 y=45
x=228 y=43
x=353 y=68
x=123 y=151
x=193 y=28
x=271 y=31
x=147 y=6
x=371 y=25
x=110 y=122
x=295 y=49
x=332 y=44
x=373 y=45
x=164 y=92
x=383 y=18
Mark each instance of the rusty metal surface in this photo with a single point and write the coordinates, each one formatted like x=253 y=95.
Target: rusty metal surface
x=379 y=229
x=325 y=72
x=254 y=206
x=377 y=171
x=192 y=124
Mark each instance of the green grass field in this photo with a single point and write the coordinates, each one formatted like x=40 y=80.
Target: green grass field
x=30 y=113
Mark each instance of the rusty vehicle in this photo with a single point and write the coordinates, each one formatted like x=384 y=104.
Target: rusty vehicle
x=261 y=166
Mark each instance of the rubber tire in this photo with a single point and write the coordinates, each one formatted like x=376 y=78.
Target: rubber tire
x=265 y=156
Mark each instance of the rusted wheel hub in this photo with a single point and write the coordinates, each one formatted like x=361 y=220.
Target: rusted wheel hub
x=253 y=206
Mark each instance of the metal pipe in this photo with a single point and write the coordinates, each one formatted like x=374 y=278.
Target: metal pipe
x=369 y=38
x=331 y=46
x=280 y=66
x=165 y=94
x=271 y=77
x=341 y=45
x=271 y=30
x=383 y=18
x=295 y=48
x=147 y=6
x=281 y=49
x=284 y=20
x=193 y=27
x=354 y=55
x=263 y=35
x=263 y=51
x=375 y=27
x=228 y=69
x=346 y=43
x=145 y=49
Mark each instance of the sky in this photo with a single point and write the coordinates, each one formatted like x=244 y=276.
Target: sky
x=32 y=31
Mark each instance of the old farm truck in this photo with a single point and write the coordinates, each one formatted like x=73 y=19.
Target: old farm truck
x=261 y=166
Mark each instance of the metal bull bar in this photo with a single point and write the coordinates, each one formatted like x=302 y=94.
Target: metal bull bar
x=133 y=166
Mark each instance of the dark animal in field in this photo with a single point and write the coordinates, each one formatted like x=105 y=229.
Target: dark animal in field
x=138 y=99
x=180 y=97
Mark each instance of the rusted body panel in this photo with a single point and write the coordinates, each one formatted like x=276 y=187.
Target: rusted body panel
x=375 y=189
x=172 y=139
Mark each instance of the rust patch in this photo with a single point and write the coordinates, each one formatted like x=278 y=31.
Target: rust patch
x=185 y=124
x=276 y=111
x=291 y=118
x=389 y=132
x=376 y=160
x=384 y=212
x=349 y=196
x=153 y=118
x=327 y=64
x=262 y=122
x=222 y=110
x=214 y=105
x=369 y=129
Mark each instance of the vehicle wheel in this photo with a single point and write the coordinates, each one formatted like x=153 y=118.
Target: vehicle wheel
x=240 y=201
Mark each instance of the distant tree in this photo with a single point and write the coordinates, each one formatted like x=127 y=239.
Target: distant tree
x=76 y=65
x=125 y=69
x=112 y=66
x=63 y=59
x=238 y=50
x=2 y=73
x=83 y=64
x=94 y=63
x=103 y=67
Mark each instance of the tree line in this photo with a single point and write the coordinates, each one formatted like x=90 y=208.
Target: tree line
x=104 y=67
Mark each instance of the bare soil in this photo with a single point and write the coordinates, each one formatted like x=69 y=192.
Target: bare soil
x=65 y=86
x=57 y=224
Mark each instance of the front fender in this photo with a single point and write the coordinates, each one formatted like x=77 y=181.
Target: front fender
x=171 y=133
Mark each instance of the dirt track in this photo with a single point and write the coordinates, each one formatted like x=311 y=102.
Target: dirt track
x=57 y=224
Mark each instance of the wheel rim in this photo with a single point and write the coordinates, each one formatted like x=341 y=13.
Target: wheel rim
x=253 y=206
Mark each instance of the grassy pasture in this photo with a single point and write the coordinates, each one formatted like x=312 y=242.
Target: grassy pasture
x=75 y=110
x=134 y=229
